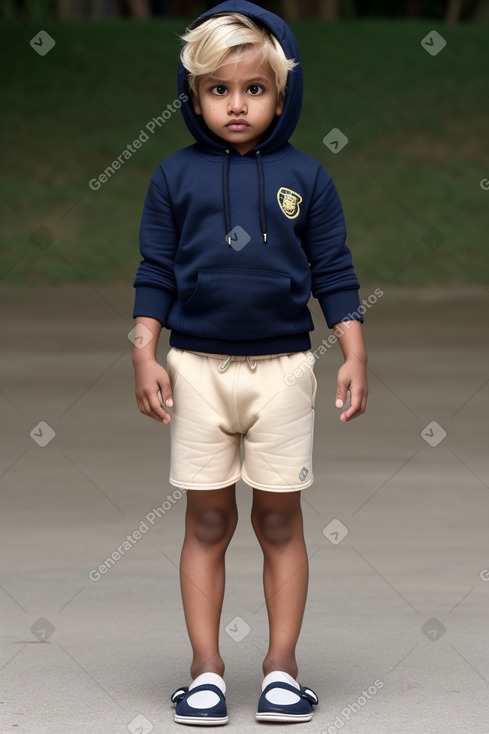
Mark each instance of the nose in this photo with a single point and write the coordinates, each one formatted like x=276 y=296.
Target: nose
x=237 y=103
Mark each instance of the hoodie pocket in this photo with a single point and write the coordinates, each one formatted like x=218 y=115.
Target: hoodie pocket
x=234 y=304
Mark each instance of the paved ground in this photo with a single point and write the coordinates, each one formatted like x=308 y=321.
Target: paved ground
x=396 y=631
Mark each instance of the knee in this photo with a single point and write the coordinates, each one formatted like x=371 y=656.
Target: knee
x=214 y=525
x=274 y=526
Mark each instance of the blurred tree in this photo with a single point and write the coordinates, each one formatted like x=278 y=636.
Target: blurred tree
x=138 y=8
x=329 y=9
x=481 y=10
x=293 y=9
x=454 y=9
x=159 y=7
x=289 y=10
x=466 y=10
x=72 y=9
x=412 y=8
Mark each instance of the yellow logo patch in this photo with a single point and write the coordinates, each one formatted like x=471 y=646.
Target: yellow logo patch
x=289 y=202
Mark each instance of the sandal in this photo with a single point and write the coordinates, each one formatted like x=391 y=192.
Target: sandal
x=281 y=701
x=192 y=705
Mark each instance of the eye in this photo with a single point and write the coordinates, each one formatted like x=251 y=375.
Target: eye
x=219 y=90
x=255 y=90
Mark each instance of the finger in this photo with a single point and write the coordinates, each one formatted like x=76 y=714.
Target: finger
x=157 y=409
x=154 y=411
x=363 y=403
x=164 y=404
x=165 y=396
x=341 y=395
x=357 y=406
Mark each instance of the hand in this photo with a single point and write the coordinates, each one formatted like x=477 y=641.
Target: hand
x=352 y=379
x=152 y=389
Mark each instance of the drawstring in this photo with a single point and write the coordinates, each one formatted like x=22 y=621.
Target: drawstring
x=226 y=362
x=261 y=197
x=227 y=208
x=261 y=194
x=224 y=365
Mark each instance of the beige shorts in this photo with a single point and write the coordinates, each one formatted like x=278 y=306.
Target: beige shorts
x=249 y=418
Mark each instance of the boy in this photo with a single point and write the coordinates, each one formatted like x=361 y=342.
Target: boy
x=236 y=231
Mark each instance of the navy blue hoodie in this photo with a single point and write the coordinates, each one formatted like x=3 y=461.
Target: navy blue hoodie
x=233 y=245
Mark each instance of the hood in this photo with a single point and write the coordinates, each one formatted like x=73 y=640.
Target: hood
x=282 y=129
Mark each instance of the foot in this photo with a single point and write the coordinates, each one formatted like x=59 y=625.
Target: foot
x=283 y=699
x=203 y=702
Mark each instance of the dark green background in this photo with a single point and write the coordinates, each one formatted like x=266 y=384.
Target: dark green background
x=417 y=128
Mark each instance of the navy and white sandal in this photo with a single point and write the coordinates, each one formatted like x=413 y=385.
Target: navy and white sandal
x=283 y=699
x=202 y=703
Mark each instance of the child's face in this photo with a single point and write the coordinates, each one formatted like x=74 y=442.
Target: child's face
x=239 y=101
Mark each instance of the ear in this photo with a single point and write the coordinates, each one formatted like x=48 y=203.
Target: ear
x=196 y=104
x=280 y=105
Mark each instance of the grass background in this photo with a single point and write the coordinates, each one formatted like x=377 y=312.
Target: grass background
x=417 y=128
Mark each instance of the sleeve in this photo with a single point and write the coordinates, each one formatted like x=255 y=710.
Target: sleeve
x=334 y=282
x=158 y=236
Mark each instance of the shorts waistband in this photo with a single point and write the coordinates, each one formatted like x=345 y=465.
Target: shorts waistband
x=226 y=359
x=239 y=357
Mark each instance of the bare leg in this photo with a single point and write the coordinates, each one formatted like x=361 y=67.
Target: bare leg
x=277 y=521
x=210 y=522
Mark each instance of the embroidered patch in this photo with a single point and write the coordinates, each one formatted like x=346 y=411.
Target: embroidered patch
x=303 y=473
x=289 y=202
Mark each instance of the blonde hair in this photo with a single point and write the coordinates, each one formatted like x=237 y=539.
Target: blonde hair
x=227 y=36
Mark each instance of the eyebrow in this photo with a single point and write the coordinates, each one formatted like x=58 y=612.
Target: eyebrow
x=247 y=81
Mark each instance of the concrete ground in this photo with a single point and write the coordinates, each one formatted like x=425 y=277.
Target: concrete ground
x=396 y=630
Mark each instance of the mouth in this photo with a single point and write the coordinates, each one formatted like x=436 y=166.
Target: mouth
x=237 y=125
